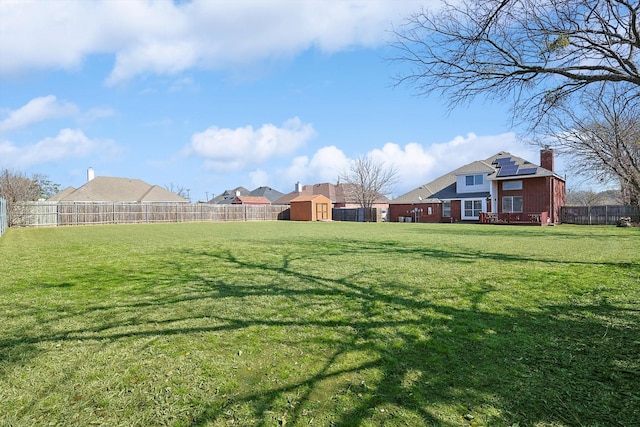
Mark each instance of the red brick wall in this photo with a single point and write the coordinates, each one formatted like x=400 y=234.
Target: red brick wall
x=406 y=210
x=456 y=211
x=560 y=196
x=534 y=195
x=537 y=194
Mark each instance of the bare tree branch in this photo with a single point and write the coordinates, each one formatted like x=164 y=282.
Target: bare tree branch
x=15 y=187
x=534 y=53
x=369 y=180
x=602 y=136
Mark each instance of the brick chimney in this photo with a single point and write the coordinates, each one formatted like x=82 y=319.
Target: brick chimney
x=546 y=158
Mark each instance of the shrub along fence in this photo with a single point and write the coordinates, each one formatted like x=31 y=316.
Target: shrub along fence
x=3 y=215
x=50 y=214
x=598 y=215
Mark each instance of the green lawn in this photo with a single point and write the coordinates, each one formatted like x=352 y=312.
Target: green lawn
x=323 y=324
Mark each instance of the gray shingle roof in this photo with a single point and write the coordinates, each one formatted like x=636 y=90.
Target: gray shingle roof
x=267 y=192
x=227 y=197
x=110 y=189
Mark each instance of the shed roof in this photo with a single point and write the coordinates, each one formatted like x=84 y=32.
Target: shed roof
x=309 y=198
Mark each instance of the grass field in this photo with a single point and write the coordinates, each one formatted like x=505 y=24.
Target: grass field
x=323 y=324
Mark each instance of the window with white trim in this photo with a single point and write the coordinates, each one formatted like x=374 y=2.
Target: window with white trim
x=512 y=185
x=446 y=209
x=471 y=180
x=512 y=204
x=472 y=208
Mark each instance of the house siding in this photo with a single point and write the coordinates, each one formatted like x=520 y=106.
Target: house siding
x=481 y=182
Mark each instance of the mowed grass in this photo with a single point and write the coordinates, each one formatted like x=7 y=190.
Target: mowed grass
x=323 y=324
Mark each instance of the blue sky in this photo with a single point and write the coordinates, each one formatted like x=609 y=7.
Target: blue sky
x=210 y=95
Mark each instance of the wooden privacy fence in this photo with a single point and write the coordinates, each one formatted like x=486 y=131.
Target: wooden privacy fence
x=3 y=215
x=36 y=214
x=598 y=215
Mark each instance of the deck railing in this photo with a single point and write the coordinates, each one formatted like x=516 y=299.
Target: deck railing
x=523 y=218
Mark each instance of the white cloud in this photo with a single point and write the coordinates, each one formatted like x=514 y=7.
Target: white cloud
x=225 y=149
x=324 y=166
x=418 y=165
x=163 y=37
x=37 y=110
x=259 y=178
x=97 y=113
x=67 y=144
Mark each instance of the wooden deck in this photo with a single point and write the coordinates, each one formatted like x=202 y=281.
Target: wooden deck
x=515 y=218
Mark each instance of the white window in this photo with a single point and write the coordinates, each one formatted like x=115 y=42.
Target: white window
x=472 y=208
x=512 y=204
x=512 y=185
x=472 y=180
x=446 y=209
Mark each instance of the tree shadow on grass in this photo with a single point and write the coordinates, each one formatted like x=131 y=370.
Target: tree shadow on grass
x=564 y=364
x=424 y=360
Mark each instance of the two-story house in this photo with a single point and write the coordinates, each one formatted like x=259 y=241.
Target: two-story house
x=501 y=189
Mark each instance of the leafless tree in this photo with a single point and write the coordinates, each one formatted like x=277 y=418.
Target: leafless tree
x=178 y=190
x=583 y=198
x=369 y=180
x=534 y=54
x=16 y=187
x=602 y=136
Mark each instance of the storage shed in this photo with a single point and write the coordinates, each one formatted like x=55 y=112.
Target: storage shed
x=313 y=207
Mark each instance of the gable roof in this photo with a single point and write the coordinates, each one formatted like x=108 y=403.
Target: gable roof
x=337 y=193
x=110 y=189
x=309 y=198
x=444 y=187
x=62 y=194
x=251 y=200
x=228 y=195
x=267 y=192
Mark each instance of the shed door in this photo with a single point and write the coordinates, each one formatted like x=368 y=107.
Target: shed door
x=322 y=211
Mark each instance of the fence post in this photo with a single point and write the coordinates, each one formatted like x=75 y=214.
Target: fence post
x=3 y=215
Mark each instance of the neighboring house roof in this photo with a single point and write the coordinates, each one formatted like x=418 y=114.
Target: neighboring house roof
x=497 y=167
x=267 y=192
x=62 y=194
x=251 y=200
x=337 y=193
x=228 y=196
x=109 y=189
